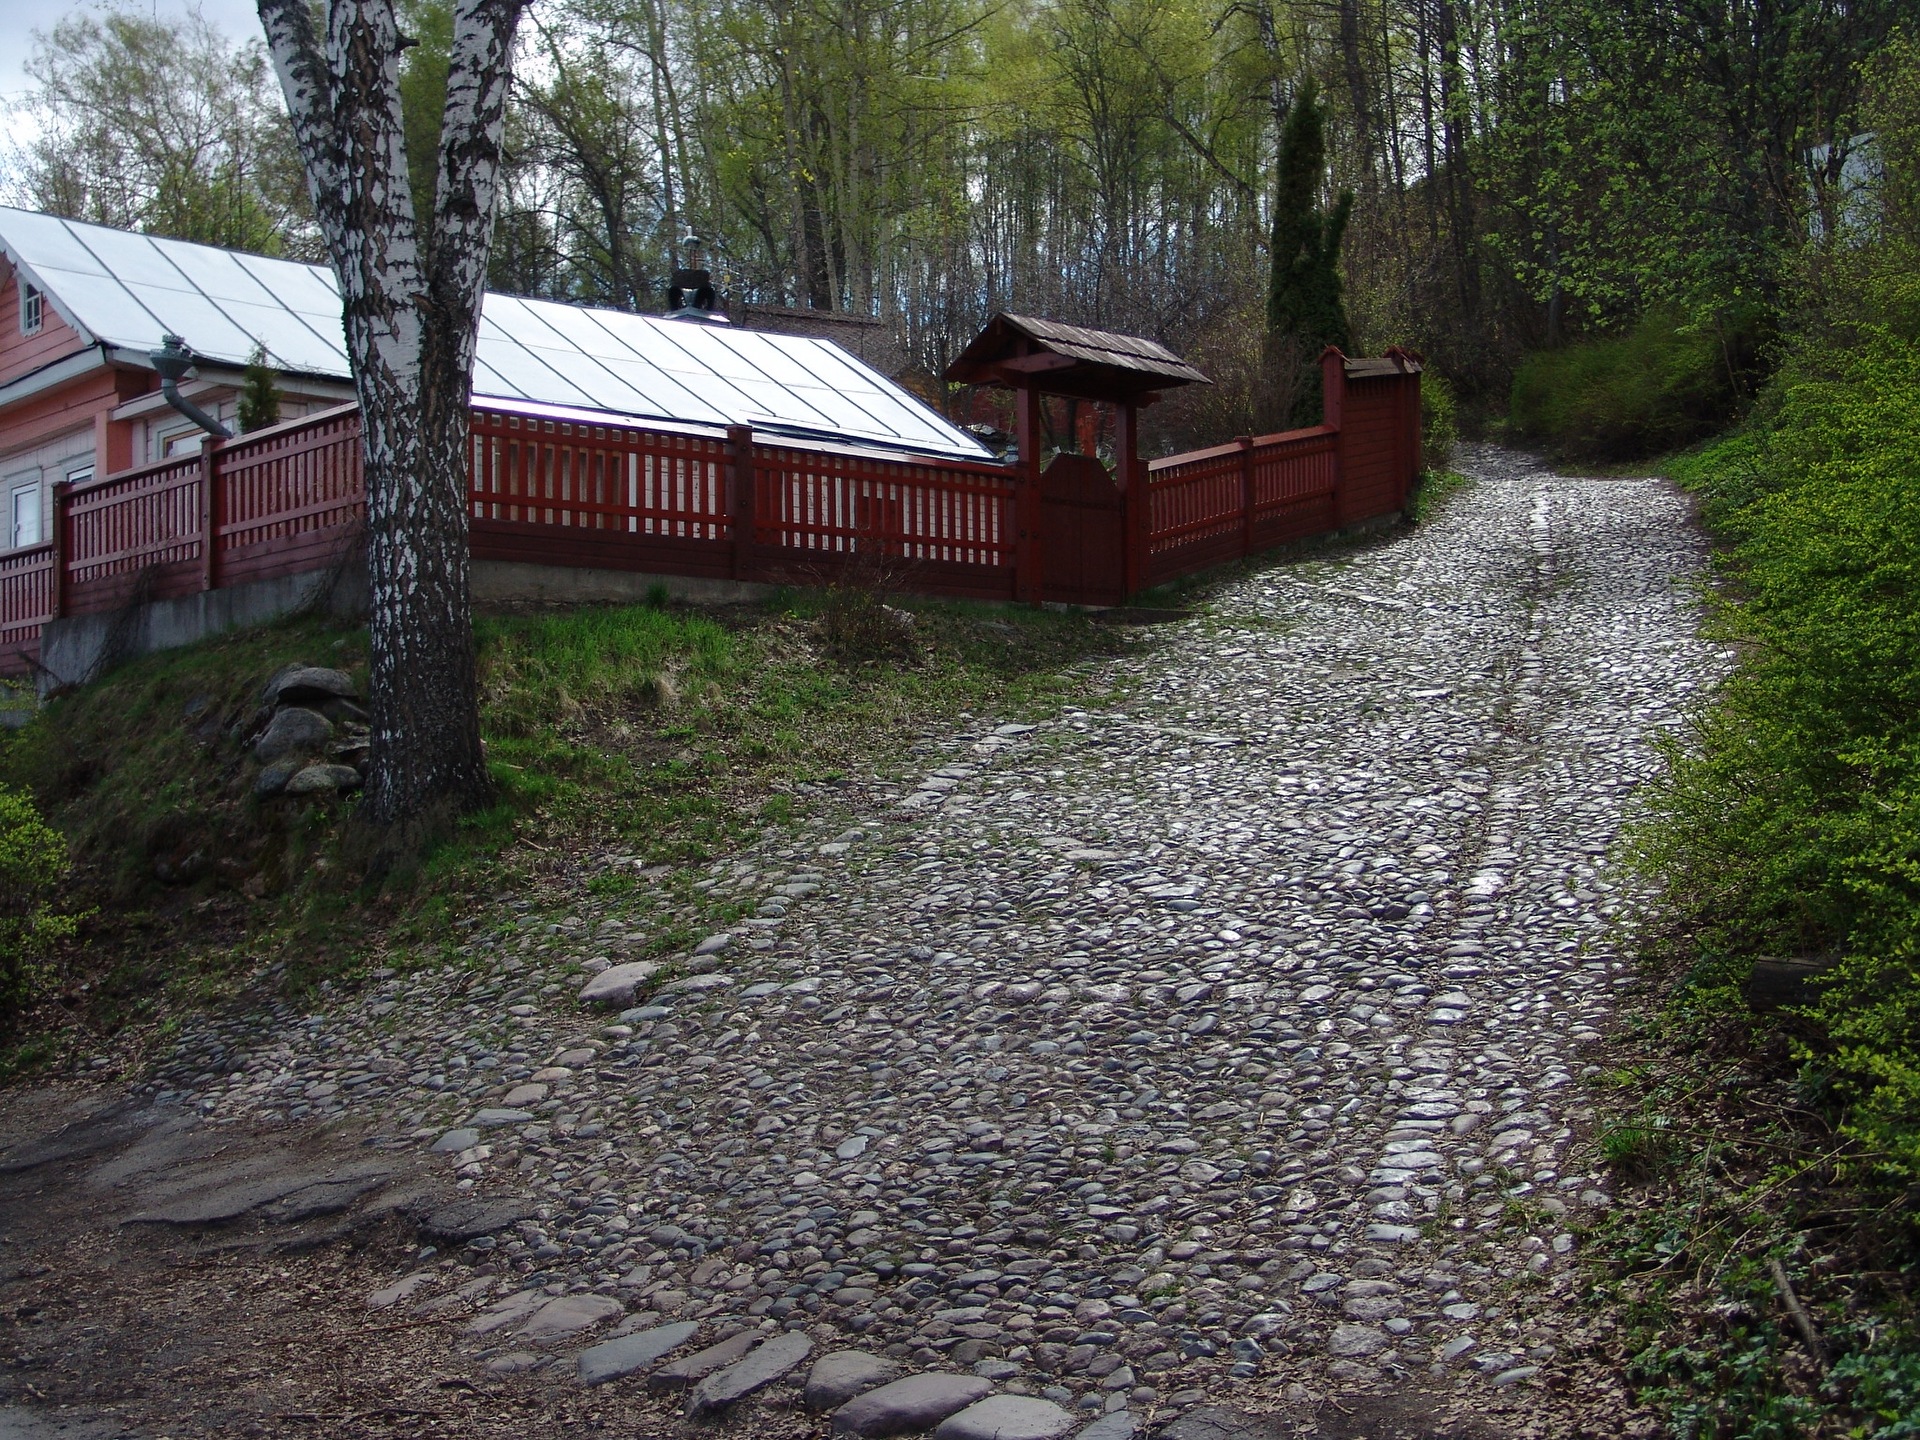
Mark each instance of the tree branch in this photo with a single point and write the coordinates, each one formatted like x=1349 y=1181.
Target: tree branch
x=304 y=77
x=479 y=77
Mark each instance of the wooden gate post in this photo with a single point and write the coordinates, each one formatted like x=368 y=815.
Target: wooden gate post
x=210 y=508
x=1136 y=517
x=1333 y=412
x=62 y=545
x=740 y=497
x=1028 y=582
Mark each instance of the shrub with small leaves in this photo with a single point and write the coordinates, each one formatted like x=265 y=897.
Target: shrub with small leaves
x=1439 y=422
x=33 y=862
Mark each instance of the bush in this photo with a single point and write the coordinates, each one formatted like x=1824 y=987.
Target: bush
x=33 y=862
x=1794 y=824
x=1657 y=387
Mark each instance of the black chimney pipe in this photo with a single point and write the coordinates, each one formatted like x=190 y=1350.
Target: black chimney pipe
x=173 y=361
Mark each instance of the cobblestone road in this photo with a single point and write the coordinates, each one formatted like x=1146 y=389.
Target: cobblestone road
x=1229 y=1036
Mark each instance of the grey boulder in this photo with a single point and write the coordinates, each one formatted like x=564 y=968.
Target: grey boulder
x=761 y=1368
x=569 y=1315
x=615 y=985
x=837 y=1378
x=1007 y=1417
x=454 y=1141
x=909 y=1406
x=463 y=1220
x=1356 y=1340
x=625 y=1354
x=308 y=684
x=702 y=1363
x=323 y=780
x=273 y=778
x=292 y=732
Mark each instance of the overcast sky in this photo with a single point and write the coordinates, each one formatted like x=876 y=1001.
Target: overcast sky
x=20 y=18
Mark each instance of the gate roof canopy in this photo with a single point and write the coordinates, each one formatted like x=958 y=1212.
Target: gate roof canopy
x=1023 y=353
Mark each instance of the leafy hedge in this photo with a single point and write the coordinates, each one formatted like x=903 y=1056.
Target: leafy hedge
x=33 y=863
x=1793 y=826
x=1659 y=385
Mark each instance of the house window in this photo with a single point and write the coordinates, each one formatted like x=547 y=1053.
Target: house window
x=80 y=474
x=23 y=511
x=182 y=442
x=32 y=309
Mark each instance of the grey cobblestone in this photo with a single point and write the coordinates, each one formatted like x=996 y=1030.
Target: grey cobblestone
x=1237 y=1027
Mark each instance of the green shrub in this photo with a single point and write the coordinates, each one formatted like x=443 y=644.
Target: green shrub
x=1793 y=824
x=33 y=862
x=1658 y=386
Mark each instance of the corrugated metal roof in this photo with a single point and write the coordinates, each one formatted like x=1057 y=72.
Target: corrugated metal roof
x=128 y=290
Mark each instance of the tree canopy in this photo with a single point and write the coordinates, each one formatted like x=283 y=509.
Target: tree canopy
x=165 y=125
x=1523 y=172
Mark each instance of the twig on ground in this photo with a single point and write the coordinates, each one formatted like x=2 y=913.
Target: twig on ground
x=1802 y=1321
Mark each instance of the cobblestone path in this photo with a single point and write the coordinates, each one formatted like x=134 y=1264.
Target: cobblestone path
x=1225 y=1040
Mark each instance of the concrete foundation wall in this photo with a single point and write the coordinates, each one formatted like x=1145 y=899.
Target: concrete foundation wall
x=513 y=582
x=78 y=648
x=75 y=649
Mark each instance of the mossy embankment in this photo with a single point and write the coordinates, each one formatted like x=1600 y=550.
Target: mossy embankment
x=626 y=744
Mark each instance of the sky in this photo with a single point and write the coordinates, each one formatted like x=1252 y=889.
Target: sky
x=20 y=18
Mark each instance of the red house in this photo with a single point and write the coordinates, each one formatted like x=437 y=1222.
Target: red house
x=81 y=307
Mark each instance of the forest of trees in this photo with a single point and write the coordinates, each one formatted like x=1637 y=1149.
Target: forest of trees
x=1523 y=172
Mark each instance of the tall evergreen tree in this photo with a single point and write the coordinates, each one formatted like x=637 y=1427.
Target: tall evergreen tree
x=1305 y=308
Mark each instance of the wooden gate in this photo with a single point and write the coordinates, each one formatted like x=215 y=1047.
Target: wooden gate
x=1082 y=533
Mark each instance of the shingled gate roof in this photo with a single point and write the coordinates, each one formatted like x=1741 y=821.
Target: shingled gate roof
x=1069 y=360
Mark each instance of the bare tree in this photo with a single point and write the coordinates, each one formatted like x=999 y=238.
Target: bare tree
x=411 y=287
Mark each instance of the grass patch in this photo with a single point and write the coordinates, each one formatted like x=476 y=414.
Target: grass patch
x=1431 y=491
x=623 y=740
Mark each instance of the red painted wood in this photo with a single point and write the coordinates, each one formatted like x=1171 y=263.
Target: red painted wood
x=290 y=499
x=1083 y=532
x=26 y=604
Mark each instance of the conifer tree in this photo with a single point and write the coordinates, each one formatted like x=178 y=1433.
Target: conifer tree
x=259 y=396
x=1305 y=309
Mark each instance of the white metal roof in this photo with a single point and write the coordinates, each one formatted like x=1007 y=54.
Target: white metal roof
x=126 y=291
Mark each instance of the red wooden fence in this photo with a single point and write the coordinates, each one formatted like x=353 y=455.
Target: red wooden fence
x=549 y=491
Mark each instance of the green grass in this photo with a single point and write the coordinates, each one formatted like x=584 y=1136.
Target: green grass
x=1432 y=491
x=659 y=734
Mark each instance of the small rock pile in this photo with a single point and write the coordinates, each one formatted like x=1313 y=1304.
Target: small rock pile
x=310 y=736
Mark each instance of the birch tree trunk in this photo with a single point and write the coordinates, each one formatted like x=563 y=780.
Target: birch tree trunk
x=411 y=287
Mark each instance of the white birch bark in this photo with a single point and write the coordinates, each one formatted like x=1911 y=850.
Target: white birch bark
x=411 y=288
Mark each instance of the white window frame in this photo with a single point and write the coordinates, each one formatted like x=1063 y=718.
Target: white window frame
x=25 y=484
x=78 y=472
x=33 y=308
x=175 y=444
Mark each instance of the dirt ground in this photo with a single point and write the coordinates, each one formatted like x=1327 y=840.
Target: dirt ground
x=162 y=1277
